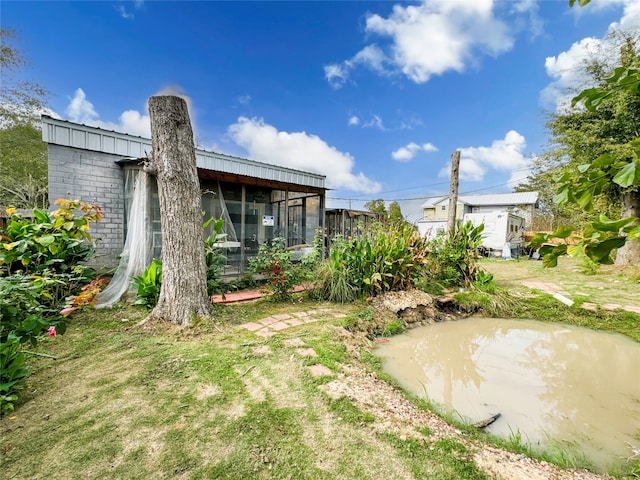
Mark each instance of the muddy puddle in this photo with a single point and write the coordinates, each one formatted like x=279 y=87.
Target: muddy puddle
x=554 y=385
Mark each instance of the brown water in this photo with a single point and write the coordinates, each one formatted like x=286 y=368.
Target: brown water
x=555 y=385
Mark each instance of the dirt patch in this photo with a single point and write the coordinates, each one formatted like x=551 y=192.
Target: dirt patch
x=394 y=413
x=319 y=370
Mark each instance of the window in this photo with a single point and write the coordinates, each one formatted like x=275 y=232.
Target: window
x=443 y=207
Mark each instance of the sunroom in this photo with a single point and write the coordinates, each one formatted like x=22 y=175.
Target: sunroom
x=257 y=201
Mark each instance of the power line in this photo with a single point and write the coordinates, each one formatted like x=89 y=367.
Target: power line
x=468 y=192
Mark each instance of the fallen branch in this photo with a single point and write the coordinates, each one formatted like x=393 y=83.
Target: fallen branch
x=485 y=423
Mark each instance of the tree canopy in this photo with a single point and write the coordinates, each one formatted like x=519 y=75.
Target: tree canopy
x=393 y=214
x=598 y=151
x=23 y=156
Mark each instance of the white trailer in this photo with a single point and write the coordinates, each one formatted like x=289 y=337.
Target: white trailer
x=432 y=228
x=499 y=228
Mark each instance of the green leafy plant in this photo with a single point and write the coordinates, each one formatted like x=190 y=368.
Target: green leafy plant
x=56 y=241
x=214 y=257
x=484 y=281
x=148 y=284
x=453 y=259
x=333 y=276
x=275 y=263
x=388 y=257
x=39 y=271
x=12 y=371
x=24 y=315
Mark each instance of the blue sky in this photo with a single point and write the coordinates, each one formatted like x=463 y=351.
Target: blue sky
x=374 y=95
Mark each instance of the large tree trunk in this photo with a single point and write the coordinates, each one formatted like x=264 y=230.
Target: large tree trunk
x=183 y=294
x=629 y=254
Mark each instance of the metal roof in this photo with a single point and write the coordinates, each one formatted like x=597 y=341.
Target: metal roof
x=516 y=198
x=69 y=134
x=433 y=201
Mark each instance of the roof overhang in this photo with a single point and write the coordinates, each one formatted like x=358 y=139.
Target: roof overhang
x=131 y=148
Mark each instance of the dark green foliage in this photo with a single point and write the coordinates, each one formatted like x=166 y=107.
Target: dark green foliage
x=453 y=260
x=214 y=257
x=148 y=284
x=38 y=271
x=389 y=257
x=276 y=264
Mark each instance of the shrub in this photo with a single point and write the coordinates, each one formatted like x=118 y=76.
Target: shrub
x=388 y=257
x=56 y=241
x=22 y=319
x=38 y=270
x=275 y=263
x=452 y=261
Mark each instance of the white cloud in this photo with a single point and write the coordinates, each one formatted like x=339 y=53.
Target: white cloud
x=353 y=120
x=429 y=39
x=375 y=122
x=81 y=110
x=244 y=99
x=300 y=151
x=504 y=156
x=429 y=147
x=336 y=75
x=567 y=68
x=372 y=57
x=124 y=13
x=406 y=153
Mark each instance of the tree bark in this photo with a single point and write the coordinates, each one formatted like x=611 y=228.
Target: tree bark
x=629 y=254
x=453 y=193
x=183 y=294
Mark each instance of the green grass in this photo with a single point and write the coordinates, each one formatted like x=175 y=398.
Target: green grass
x=123 y=401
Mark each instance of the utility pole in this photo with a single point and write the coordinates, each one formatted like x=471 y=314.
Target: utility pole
x=453 y=193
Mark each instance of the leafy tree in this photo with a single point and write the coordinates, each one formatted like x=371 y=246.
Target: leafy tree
x=395 y=213
x=377 y=206
x=23 y=167
x=23 y=157
x=20 y=100
x=603 y=147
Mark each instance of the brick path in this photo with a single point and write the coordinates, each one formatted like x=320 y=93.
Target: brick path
x=269 y=326
x=559 y=294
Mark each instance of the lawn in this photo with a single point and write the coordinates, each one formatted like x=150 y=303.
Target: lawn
x=214 y=400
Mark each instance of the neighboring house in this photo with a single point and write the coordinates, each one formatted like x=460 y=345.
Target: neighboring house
x=522 y=204
x=258 y=201
x=505 y=216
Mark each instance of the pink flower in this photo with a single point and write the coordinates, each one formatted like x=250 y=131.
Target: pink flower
x=66 y=311
x=52 y=331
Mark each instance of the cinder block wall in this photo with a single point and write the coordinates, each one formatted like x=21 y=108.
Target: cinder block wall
x=92 y=177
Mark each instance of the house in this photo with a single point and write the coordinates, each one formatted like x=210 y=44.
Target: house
x=505 y=216
x=258 y=201
x=522 y=204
